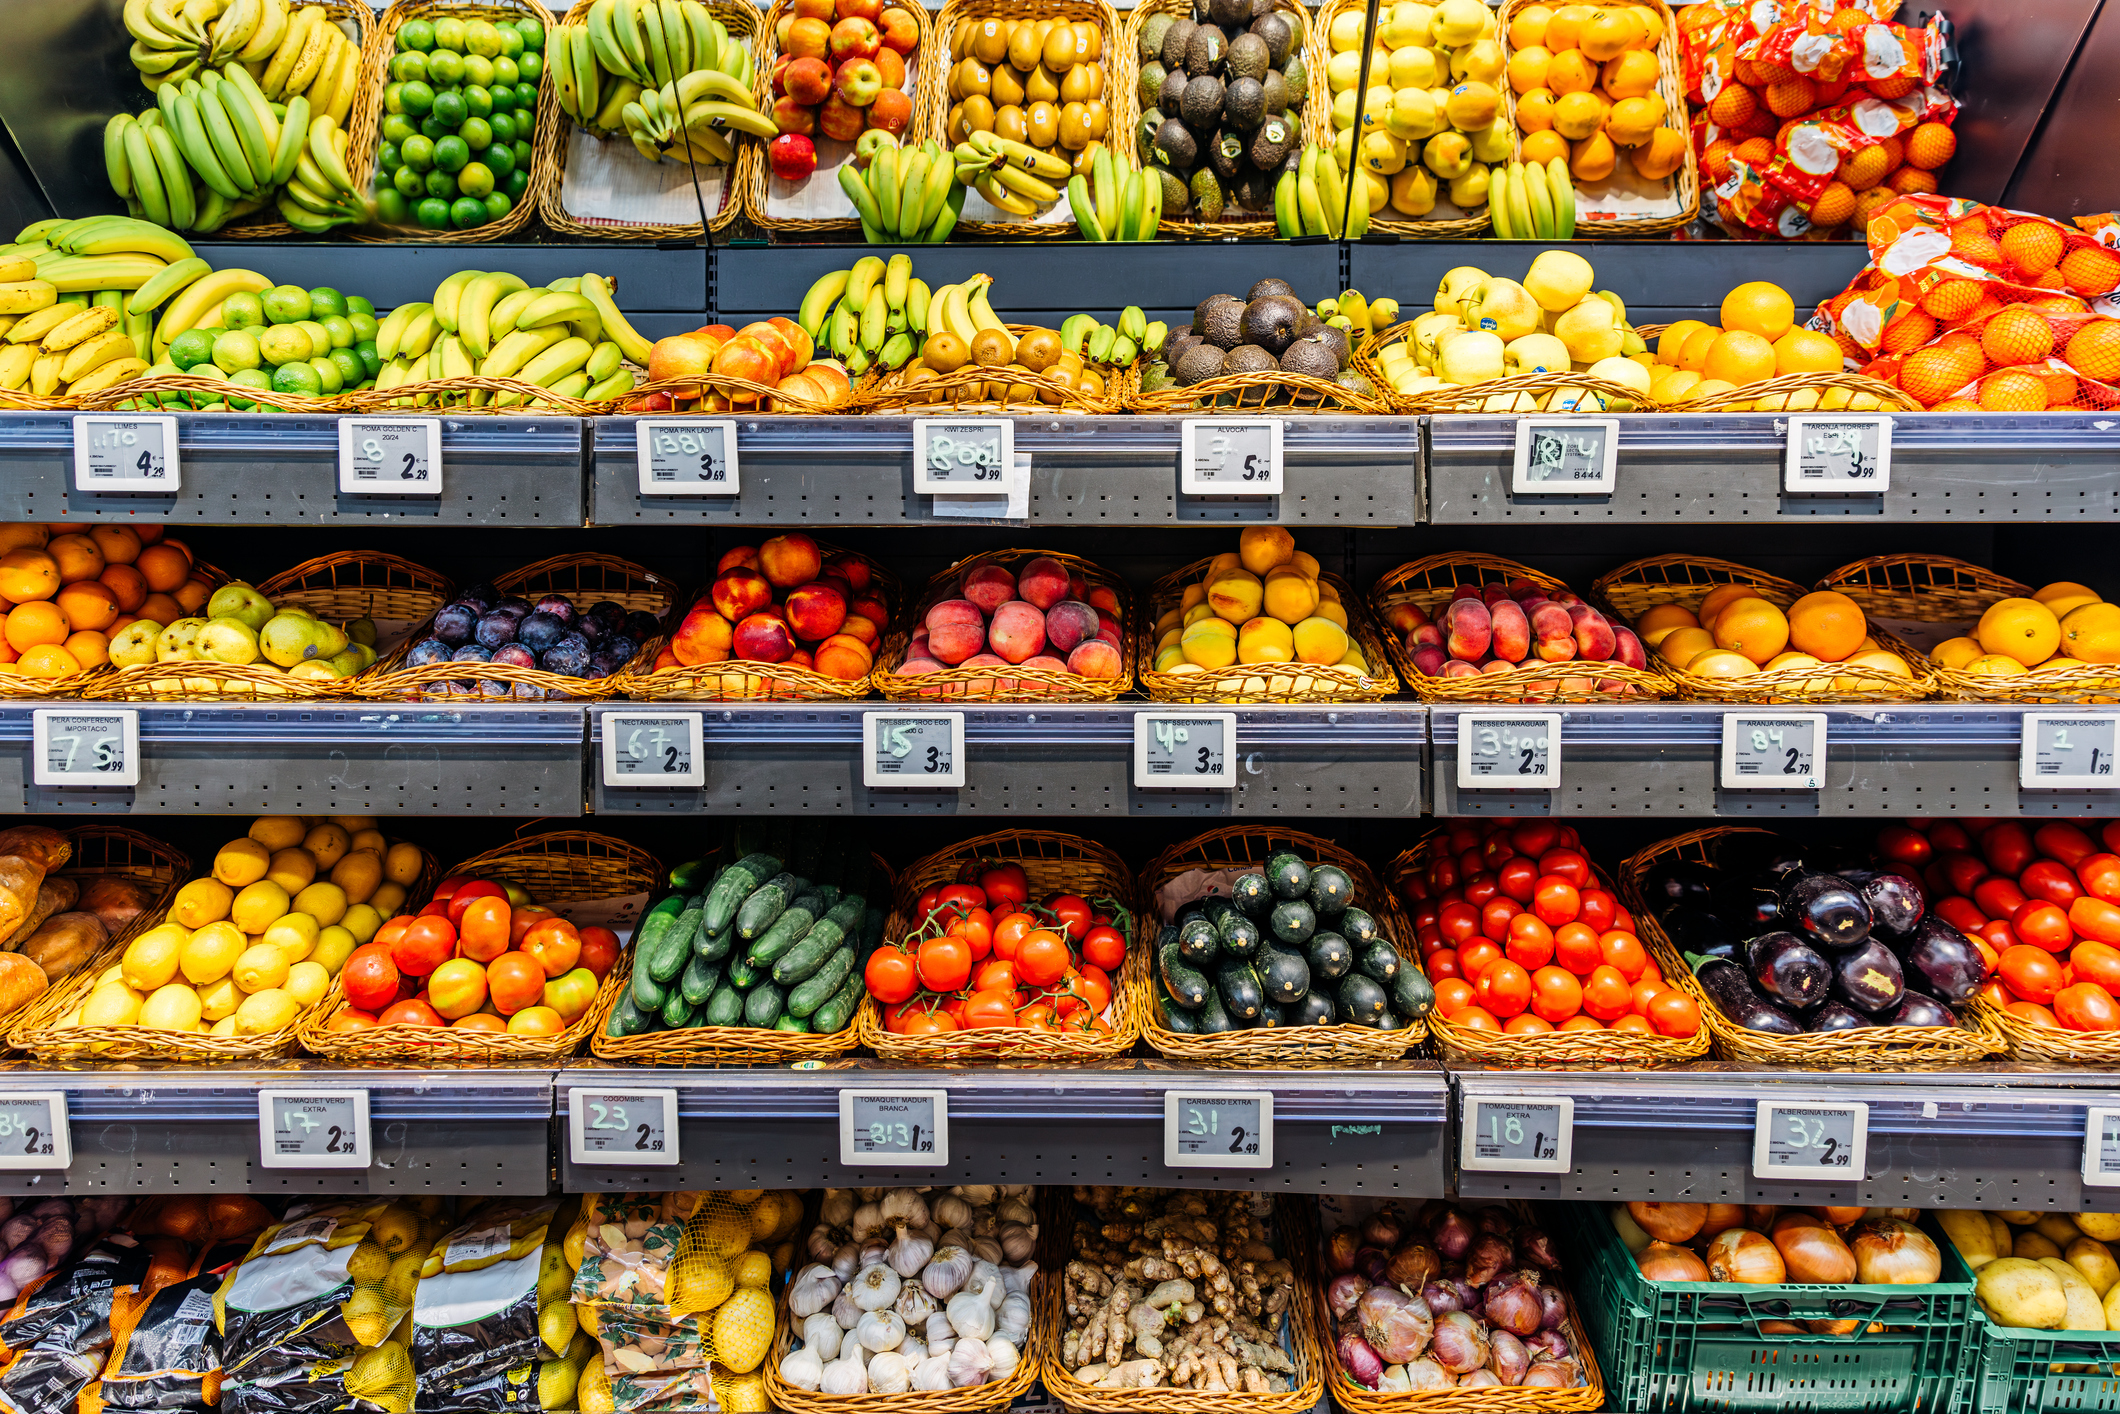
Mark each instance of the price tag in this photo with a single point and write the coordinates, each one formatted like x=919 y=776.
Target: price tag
x=33 y=1130
x=921 y=749
x=313 y=1129
x=1838 y=455
x=1566 y=456
x=1231 y=456
x=960 y=456
x=1185 y=750
x=654 y=749
x=1785 y=751
x=2068 y=751
x=1795 y=1140
x=1218 y=1129
x=894 y=1128
x=1509 y=751
x=126 y=452
x=1518 y=1136
x=622 y=1126
x=687 y=458
x=2101 y=1149
x=390 y=456
x=85 y=746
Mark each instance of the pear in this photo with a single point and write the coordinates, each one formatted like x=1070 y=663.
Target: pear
x=179 y=642
x=355 y=659
x=1469 y=189
x=1455 y=285
x=135 y=644
x=1493 y=144
x=1536 y=353
x=1506 y=308
x=318 y=670
x=1459 y=22
x=1559 y=279
x=362 y=631
x=228 y=639
x=1471 y=357
x=1590 y=330
x=289 y=639
x=238 y=600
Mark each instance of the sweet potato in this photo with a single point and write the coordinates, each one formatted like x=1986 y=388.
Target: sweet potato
x=65 y=943
x=54 y=895
x=21 y=982
x=117 y=900
x=180 y=1215
x=42 y=846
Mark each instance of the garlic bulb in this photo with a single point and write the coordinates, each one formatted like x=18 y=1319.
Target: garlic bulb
x=932 y=1374
x=812 y=1291
x=822 y=1334
x=821 y=1244
x=1004 y=1357
x=908 y=1252
x=970 y=1316
x=903 y=1205
x=881 y=1330
x=946 y=1272
x=846 y=1260
x=1017 y=1241
x=1015 y=1210
x=873 y=1251
x=837 y=1209
x=950 y=1211
x=913 y=1348
x=890 y=1374
x=914 y=1304
x=874 y=1287
x=846 y=1375
x=1013 y=1321
x=979 y=1195
x=844 y=1310
x=803 y=1368
x=867 y=1222
x=870 y=1195
x=939 y=1328
x=1016 y=1280
x=987 y=1250
x=969 y=1363
x=985 y=1283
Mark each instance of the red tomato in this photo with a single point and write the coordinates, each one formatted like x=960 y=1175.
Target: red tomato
x=1425 y=916
x=1599 y=909
x=449 y=885
x=436 y=908
x=2095 y=962
x=1533 y=837
x=1946 y=834
x=1961 y=913
x=1040 y=1018
x=1645 y=992
x=2059 y=840
x=1555 y=994
x=1998 y=935
x=478 y=889
x=1476 y=1018
x=1998 y=897
x=1962 y=872
x=2094 y=918
x=2043 y=925
x=2087 y=1007
x=890 y=975
x=1106 y=947
x=929 y=1023
x=1530 y=944
x=571 y=994
x=987 y=1009
x=1631 y=1022
x=1005 y=883
x=1558 y=901
x=955 y=899
x=482 y=928
x=1074 y=914
x=1441 y=963
x=1443 y=874
x=426 y=944
x=1994 y=990
x=2032 y=974
x=1607 y=995
x=1504 y=989
x=944 y=964
x=1009 y=933
x=1428 y=939
x=2034 y=1013
x=1575 y=948
x=977 y=930
x=2050 y=880
x=370 y=977
x=1525 y=1024
x=925 y=904
x=1903 y=846
x=522 y=920
x=1459 y=922
x=1481 y=888
x=1568 y=864
x=1476 y=958
x=1624 y=953
x=599 y=951
x=1517 y=878
x=1495 y=916
x=352 y=1019
x=1453 y=995
x=1581 y=1023
x=2007 y=847
x=897 y=1014
x=515 y=981
x=994 y=975
x=2100 y=876
x=1043 y=959
x=557 y=946
x=1673 y=1013
x=413 y=1013
x=1093 y=986
x=390 y=931
x=2109 y=835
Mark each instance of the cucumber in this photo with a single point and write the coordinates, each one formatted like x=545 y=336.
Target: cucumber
x=1187 y=987
x=736 y=883
x=667 y=957
x=677 y=1012
x=1358 y=927
x=1198 y=943
x=823 y=984
x=1316 y=1009
x=1412 y=995
x=1284 y=975
x=836 y=1013
x=1330 y=957
x=724 y=1008
x=872 y=923
x=787 y=930
x=713 y=947
x=791 y=1023
x=692 y=876
x=648 y=994
x=1241 y=990
x=700 y=979
x=766 y=902
x=1379 y=961
x=824 y=937
x=660 y=923
x=627 y=1019
x=1362 y=1001
x=742 y=976
x=1214 y=1017
x=1175 y=1017
x=764 y=1005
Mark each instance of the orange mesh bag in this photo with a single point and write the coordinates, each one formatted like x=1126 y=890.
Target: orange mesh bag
x=2020 y=358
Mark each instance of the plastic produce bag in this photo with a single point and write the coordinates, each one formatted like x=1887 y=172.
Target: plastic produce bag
x=165 y=1356
x=491 y=1298
x=59 y=1332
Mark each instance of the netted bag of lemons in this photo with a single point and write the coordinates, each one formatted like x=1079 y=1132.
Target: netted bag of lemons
x=319 y=1306
x=492 y=1327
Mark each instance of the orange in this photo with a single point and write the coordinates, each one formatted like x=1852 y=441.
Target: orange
x=2091 y=634
x=1879 y=660
x=2060 y=389
x=1720 y=663
x=2064 y=595
x=1739 y=356
x=1930 y=145
x=2012 y=392
x=88 y=604
x=1733 y=107
x=2051 y=280
x=192 y=595
x=1754 y=152
x=2093 y=270
x=1593 y=159
x=1908 y=331
x=1569 y=71
x=1827 y=625
x=49 y=660
x=164 y=567
x=1951 y=299
x=1752 y=627
x=120 y=546
x=1527 y=68
x=127 y=583
x=2032 y=246
x=1631 y=75
x=1649 y=28
x=1720 y=598
x=1542 y=147
x=1673 y=338
x=161 y=609
x=1955 y=405
x=1865 y=167
x=1665 y=616
x=1930 y=375
x=28 y=574
x=20 y=534
x=1608 y=31
x=1908 y=180
x=1716 y=160
x=1791 y=96
x=1682 y=645
x=1835 y=206
x=78 y=557
x=39 y=622
x=1897 y=86
x=1806 y=351
x=2016 y=336
x=2059 y=304
x=1759 y=307
x=1994 y=665
x=1564 y=30
x=1692 y=354
x=2094 y=350
x=1867 y=204
x=2019 y=628
x=90 y=649
x=1534 y=113
x=1529 y=26
x=1956 y=652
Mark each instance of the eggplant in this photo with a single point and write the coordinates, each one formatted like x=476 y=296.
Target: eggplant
x=1677 y=881
x=1835 y=1017
x=1695 y=931
x=1789 y=970
x=1918 y=1010
x=1869 y=978
x=1896 y=901
x=1724 y=982
x=1758 y=855
x=1943 y=961
x=1751 y=908
x=1826 y=907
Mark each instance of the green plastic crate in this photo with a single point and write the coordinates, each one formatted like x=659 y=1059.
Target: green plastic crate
x=2018 y=1374
x=1696 y=1347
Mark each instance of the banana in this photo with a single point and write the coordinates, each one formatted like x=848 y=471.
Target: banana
x=16 y=267
x=554 y=307
x=106 y=375
x=956 y=315
x=1541 y=202
x=294 y=132
x=242 y=121
x=952 y=208
x=658 y=52
x=616 y=386
x=621 y=93
x=626 y=26
x=842 y=327
x=587 y=73
x=939 y=173
x=1103 y=191
x=1024 y=184
x=559 y=52
x=234 y=29
x=1025 y=158
x=857 y=192
x=166 y=282
x=740 y=116
x=1498 y=201
x=677 y=39
x=197 y=146
x=321 y=44
x=502 y=322
x=121 y=235
x=168 y=17
x=1332 y=195
x=392 y=326
x=1357 y=209
x=605 y=361
x=87 y=357
x=419 y=334
x=817 y=301
x=145 y=31
x=155 y=62
x=874 y=313
x=80 y=328
x=703 y=84
x=449 y=294
x=322 y=135
x=706 y=35
x=272 y=28
x=323 y=90
x=983 y=316
x=518 y=348
x=299 y=24
x=884 y=190
x=27 y=297
x=476 y=308
x=917 y=301
x=1002 y=199
x=260 y=108
x=1084 y=208
x=601 y=25
x=557 y=361
x=15 y=361
x=146 y=175
x=866 y=272
x=203 y=296
x=44 y=375
x=1563 y=191
x=32 y=327
x=597 y=290
x=1131 y=194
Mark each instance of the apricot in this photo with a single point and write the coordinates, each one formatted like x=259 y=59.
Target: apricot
x=1236 y=595
x=1319 y=640
x=1289 y=595
x=1212 y=643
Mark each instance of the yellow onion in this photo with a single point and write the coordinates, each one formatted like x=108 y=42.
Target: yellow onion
x=1721 y=1218
x=1889 y=1252
x=1670 y=1222
x=1838 y=1217
x=1814 y=1253
x=1660 y=1261
x=1760 y=1216
x=1741 y=1255
x=1630 y=1232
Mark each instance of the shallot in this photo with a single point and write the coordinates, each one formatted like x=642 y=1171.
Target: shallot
x=1460 y=1344
x=1360 y=1359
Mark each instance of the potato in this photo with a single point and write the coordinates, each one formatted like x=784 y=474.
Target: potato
x=2095 y=1261
x=1969 y=1232
x=2085 y=1313
x=2057 y=1228
x=2021 y=1293
x=2001 y=1230
x=2018 y=1217
x=2032 y=1245
x=2103 y=1226
x=2112 y=1308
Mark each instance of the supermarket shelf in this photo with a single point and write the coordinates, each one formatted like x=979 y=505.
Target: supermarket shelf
x=1728 y=467
x=645 y=277
x=2005 y=1137
x=276 y=469
x=168 y=1130
x=1932 y=758
x=1094 y=471
x=805 y=759
x=1380 y=1130
x=329 y=758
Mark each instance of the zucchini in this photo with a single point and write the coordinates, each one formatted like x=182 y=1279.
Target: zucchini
x=1315 y=1009
x=1412 y=995
x=677 y=1012
x=1285 y=976
x=627 y=1019
x=791 y=1023
x=1358 y=927
x=1252 y=895
x=1241 y=990
x=667 y=957
x=766 y=903
x=660 y=923
x=820 y=986
x=691 y=877
x=713 y=947
x=648 y=994
x=1379 y=961
x=836 y=1013
x=1214 y=1017
x=764 y=1005
x=1187 y=987
x=1293 y=922
x=1331 y=890
x=1362 y=1001
x=1268 y=1019
x=724 y=1008
x=699 y=981
x=1288 y=876
x=737 y=882
x=787 y=930
x=1198 y=943
x=1214 y=908
x=1175 y=1017
x=742 y=976
x=1330 y=957
x=1238 y=934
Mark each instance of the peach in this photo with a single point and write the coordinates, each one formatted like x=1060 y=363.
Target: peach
x=816 y=610
x=1319 y=641
x=1520 y=586
x=1404 y=618
x=1071 y=622
x=1425 y=635
x=1493 y=594
x=1512 y=631
x=742 y=557
x=1459 y=668
x=916 y=666
x=789 y=560
x=765 y=639
x=988 y=660
x=1429 y=661
x=1594 y=638
x=955 y=643
x=1077 y=586
x=1496 y=665
x=1095 y=659
x=1564 y=598
x=866 y=630
x=1044 y=582
x=1468 y=629
x=1555 y=650
x=740 y=593
x=845 y=657
x=989 y=586
x=703 y=637
x=872 y=608
x=1019 y=631
x=1551 y=621
x=852 y=568
x=1046 y=661
x=1102 y=596
x=950 y=611
x=1627 y=648
x=1108 y=626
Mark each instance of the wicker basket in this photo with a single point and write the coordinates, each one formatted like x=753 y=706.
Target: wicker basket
x=474 y=395
x=758 y=188
x=1023 y=683
x=731 y=1045
x=1053 y=862
x=1275 y=393
x=2031 y=1041
x=1242 y=847
x=1252 y=682
x=382 y=44
x=1683 y=184
x=1526 y=392
x=187 y=392
x=1432 y=582
x=580 y=577
x=1564 y=1050
x=1786 y=394
x=1877 y=1049
x=556 y=867
x=969 y=390
x=1634 y=588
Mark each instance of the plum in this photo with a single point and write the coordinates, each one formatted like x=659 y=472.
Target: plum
x=619 y=644
x=496 y=628
x=429 y=650
x=591 y=630
x=608 y=612
x=567 y=657
x=515 y=655
x=604 y=662
x=481 y=596
x=515 y=604
x=540 y=629
x=472 y=653
x=642 y=626
x=559 y=606
x=492 y=687
x=527 y=689
x=454 y=623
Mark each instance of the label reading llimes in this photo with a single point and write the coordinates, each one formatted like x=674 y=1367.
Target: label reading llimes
x=127 y=452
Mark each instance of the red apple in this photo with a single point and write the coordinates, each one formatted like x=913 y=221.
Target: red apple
x=649 y=402
x=780 y=71
x=786 y=356
x=808 y=80
x=859 y=9
x=841 y=120
x=814 y=9
x=746 y=358
x=798 y=338
x=854 y=38
x=900 y=32
x=782 y=27
x=891 y=112
x=682 y=356
x=857 y=82
x=794 y=120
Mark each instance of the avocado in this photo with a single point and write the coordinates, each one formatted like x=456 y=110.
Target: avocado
x=1177 y=198
x=1172 y=90
x=1174 y=145
x=1271 y=30
x=1260 y=289
x=1310 y=325
x=1248 y=58
x=1150 y=89
x=1335 y=339
x=1244 y=104
x=1249 y=358
x=1175 y=40
x=1354 y=382
x=1204 y=49
x=1226 y=154
x=1151 y=123
x=1218 y=317
x=1297 y=77
x=1201 y=106
x=1271 y=144
x=1199 y=362
x=1176 y=342
x=1207 y=201
x=1229 y=12
x=1255 y=188
x=1273 y=94
x=1152 y=32
x=1270 y=322
x=1312 y=356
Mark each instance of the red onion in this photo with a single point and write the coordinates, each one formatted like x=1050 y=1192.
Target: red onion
x=1431 y=1210
x=1384 y=1227
x=1514 y=1307
x=1551 y=1374
x=1551 y=1309
x=1442 y=1297
x=1548 y=1343
x=1397 y=1326
x=1508 y=1358
x=1343 y=1292
x=1412 y=1265
x=1340 y=1249
x=1469 y=1297
x=1425 y=1374
x=1360 y=1362
x=1460 y=1344
x=1536 y=1248
x=1371 y=1263
x=1481 y=1378
x=1497 y=1220
x=1490 y=1257
x=1453 y=1233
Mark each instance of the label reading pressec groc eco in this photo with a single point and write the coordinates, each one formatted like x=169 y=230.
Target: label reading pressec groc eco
x=390 y=456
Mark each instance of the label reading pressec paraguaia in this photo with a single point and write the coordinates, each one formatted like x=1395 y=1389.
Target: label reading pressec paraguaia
x=1509 y=750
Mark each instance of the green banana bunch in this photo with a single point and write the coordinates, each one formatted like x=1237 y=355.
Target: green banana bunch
x=1116 y=201
x=1528 y=201
x=873 y=315
x=1117 y=345
x=904 y=195
x=665 y=72
x=1314 y=200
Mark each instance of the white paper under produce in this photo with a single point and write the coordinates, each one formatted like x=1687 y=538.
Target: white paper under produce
x=818 y=197
x=607 y=180
x=453 y=1299
x=275 y=1283
x=621 y=914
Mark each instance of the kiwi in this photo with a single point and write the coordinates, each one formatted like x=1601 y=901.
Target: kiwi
x=1152 y=32
x=1175 y=145
x=1244 y=103
x=1201 y=361
x=1204 y=49
x=1150 y=90
x=1271 y=30
x=1248 y=58
x=1201 y=107
x=1175 y=39
x=1207 y=203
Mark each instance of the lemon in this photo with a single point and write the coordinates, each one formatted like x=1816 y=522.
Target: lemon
x=112 y=1004
x=370 y=839
x=307 y=982
x=113 y=973
x=151 y=959
x=295 y=935
x=328 y=843
x=743 y=1329
x=403 y=864
x=202 y=901
x=258 y=906
x=396 y=1229
x=362 y=921
x=334 y=946
x=278 y=832
x=226 y=1026
x=387 y=900
x=241 y=862
x=171 y=1008
x=556 y=1326
x=359 y=873
x=211 y=952
x=260 y=967
x=219 y=999
x=292 y=868
x=263 y=1013
x=745 y=1394
x=754 y=1268
x=324 y=902
x=555 y=1384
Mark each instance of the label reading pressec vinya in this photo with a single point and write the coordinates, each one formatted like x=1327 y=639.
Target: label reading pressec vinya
x=2068 y=751
x=1177 y=749
x=1509 y=750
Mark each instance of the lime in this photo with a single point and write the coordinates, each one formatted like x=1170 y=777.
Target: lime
x=236 y=349
x=388 y=157
x=406 y=181
x=349 y=365
x=481 y=38
x=466 y=212
x=475 y=180
x=451 y=153
x=532 y=31
x=476 y=133
x=284 y=344
x=518 y=183
x=393 y=98
x=449 y=109
x=324 y=302
x=359 y=304
x=408 y=66
x=497 y=206
x=417 y=152
x=441 y=184
x=397 y=127
x=286 y=304
x=432 y=214
x=449 y=34
x=364 y=325
x=499 y=160
x=339 y=329
x=431 y=128
x=415 y=34
x=503 y=126
x=390 y=206
x=478 y=70
x=329 y=375
x=529 y=66
x=371 y=361
x=505 y=71
x=478 y=101
x=445 y=67
x=416 y=98
x=193 y=346
x=522 y=155
x=243 y=310
x=251 y=378
x=511 y=40
x=500 y=98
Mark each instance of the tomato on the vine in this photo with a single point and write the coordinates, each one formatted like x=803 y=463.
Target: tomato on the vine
x=1073 y=912
x=945 y=964
x=1043 y=958
x=1009 y=933
x=977 y=930
x=890 y=975
x=1105 y=946
x=1092 y=986
x=1040 y=1018
x=929 y=1023
x=1005 y=883
x=996 y=974
x=957 y=900
x=984 y=1009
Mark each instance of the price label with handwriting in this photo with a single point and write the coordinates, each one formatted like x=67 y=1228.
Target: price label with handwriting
x=1773 y=751
x=1566 y=456
x=390 y=456
x=33 y=1130
x=624 y=1127
x=1518 y=1136
x=1230 y=456
x=1791 y=1139
x=1509 y=751
x=2068 y=751
x=85 y=746
x=1186 y=750
x=901 y=749
x=961 y=457
x=126 y=452
x=1838 y=454
x=1218 y=1129
x=687 y=458
x=654 y=749
x=894 y=1128
x=313 y=1129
